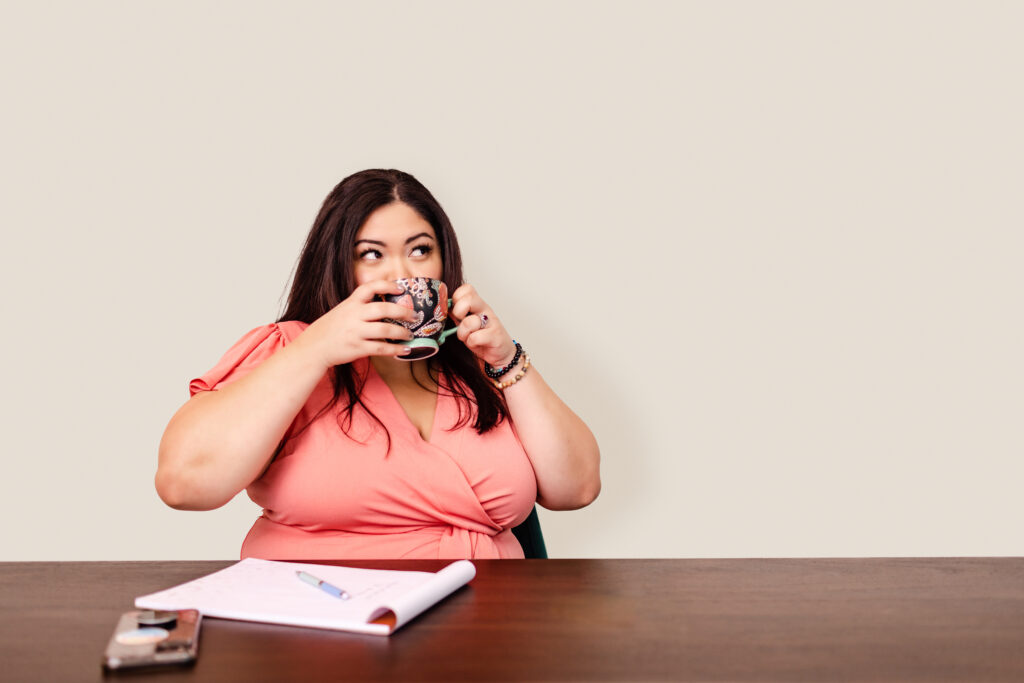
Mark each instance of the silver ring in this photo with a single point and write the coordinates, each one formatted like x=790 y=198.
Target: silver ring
x=483 y=320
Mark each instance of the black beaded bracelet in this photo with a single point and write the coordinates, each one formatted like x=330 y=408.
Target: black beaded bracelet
x=496 y=373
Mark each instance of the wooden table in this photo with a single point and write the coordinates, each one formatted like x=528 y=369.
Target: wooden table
x=520 y=620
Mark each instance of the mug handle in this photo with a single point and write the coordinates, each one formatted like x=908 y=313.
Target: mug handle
x=447 y=333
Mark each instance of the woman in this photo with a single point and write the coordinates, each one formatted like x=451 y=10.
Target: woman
x=354 y=452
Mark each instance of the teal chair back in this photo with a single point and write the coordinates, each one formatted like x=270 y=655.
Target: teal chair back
x=530 y=537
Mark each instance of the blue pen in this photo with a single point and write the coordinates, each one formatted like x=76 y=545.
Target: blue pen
x=323 y=585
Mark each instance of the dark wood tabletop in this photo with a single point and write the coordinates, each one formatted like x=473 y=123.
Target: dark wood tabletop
x=957 y=619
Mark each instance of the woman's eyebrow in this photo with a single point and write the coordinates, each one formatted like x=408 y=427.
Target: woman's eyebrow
x=411 y=239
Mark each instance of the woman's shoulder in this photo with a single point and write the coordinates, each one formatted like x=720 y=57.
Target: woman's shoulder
x=254 y=347
x=289 y=329
x=280 y=332
x=266 y=339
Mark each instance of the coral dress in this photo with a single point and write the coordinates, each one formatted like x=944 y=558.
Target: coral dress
x=329 y=495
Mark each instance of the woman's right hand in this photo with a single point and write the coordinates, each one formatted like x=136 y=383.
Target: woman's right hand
x=355 y=328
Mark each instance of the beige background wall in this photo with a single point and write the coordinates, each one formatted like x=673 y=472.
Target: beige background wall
x=771 y=252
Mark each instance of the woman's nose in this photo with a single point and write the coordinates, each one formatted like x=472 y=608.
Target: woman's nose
x=399 y=269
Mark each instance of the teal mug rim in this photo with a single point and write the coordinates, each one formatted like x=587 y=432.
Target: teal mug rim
x=425 y=343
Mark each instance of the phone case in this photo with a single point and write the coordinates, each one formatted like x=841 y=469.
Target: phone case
x=154 y=638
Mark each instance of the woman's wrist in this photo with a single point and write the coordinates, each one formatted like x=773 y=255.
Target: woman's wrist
x=311 y=344
x=509 y=356
x=508 y=361
x=522 y=363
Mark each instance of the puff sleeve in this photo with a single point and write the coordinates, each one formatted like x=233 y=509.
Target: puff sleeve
x=248 y=352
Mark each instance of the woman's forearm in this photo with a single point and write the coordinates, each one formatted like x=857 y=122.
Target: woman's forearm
x=221 y=441
x=561 y=447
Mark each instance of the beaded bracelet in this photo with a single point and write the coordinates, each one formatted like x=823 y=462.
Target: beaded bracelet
x=495 y=373
x=519 y=375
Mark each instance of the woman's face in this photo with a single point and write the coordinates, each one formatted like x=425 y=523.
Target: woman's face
x=396 y=242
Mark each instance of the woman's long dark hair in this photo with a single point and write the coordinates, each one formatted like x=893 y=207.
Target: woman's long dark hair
x=324 y=277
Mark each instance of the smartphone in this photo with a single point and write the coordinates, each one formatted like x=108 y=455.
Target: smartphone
x=153 y=638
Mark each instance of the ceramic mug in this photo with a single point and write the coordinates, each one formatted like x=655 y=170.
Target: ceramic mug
x=429 y=301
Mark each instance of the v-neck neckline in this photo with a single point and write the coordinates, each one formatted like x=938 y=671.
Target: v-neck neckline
x=407 y=421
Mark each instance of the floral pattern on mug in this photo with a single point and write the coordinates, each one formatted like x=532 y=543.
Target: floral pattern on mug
x=418 y=294
x=430 y=329
x=405 y=301
x=441 y=311
x=419 y=288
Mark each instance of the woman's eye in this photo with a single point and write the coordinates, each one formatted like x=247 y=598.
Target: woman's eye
x=369 y=255
x=422 y=250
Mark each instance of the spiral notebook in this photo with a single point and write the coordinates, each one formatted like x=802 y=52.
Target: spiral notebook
x=381 y=602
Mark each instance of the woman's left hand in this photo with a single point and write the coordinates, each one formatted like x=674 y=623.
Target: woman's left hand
x=479 y=329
